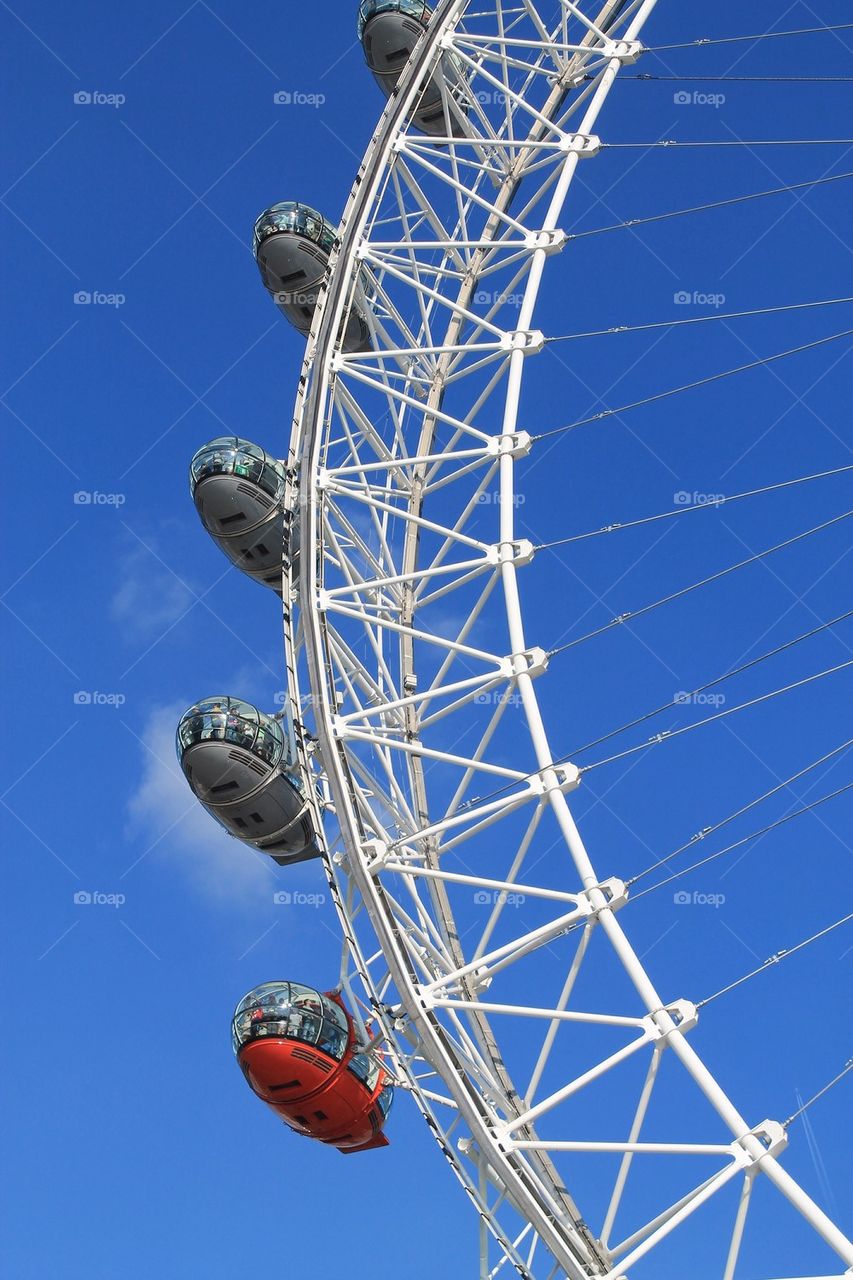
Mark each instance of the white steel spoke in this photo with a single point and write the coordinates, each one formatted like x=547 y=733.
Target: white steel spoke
x=403 y=615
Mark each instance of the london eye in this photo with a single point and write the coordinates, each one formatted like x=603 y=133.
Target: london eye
x=439 y=733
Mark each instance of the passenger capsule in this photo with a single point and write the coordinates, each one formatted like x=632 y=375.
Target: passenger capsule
x=388 y=31
x=299 y=1051
x=242 y=765
x=239 y=492
x=293 y=244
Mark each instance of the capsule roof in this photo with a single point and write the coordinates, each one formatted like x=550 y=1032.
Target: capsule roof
x=231 y=720
x=297 y=219
x=411 y=8
x=290 y=1011
x=231 y=455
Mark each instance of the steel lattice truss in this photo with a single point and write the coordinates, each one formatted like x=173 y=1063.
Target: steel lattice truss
x=406 y=614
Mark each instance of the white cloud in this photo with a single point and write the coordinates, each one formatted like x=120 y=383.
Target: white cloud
x=150 y=598
x=164 y=811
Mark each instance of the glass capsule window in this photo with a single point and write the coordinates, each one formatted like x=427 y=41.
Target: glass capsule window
x=268 y=745
x=289 y=1011
x=232 y=720
x=365 y=1069
x=300 y=219
x=412 y=8
x=230 y=455
x=386 y=1097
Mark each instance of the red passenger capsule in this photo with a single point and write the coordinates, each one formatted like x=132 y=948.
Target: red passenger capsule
x=300 y=1054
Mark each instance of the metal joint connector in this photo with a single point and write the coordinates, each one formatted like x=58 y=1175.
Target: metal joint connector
x=531 y=662
x=376 y=854
x=681 y=1016
x=550 y=241
x=609 y=895
x=584 y=145
x=521 y=551
x=529 y=341
x=559 y=777
x=772 y=1136
x=515 y=444
x=627 y=51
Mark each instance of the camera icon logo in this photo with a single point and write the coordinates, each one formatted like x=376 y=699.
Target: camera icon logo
x=82 y=98
x=82 y=298
x=282 y=899
x=681 y=98
x=282 y=98
x=682 y=298
x=82 y=498
x=82 y=698
x=682 y=898
x=481 y=897
x=82 y=898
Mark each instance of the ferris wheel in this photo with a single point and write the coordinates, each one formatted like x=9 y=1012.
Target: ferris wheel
x=419 y=724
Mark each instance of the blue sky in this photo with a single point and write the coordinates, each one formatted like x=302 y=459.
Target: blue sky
x=137 y=1149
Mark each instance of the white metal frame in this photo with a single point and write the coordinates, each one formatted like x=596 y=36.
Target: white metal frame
x=382 y=441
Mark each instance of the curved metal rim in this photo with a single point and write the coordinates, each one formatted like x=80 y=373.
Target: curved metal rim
x=306 y=442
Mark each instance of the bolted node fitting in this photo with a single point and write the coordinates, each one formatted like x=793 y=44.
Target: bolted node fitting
x=376 y=854
x=566 y=777
x=519 y=552
x=480 y=979
x=516 y=444
x=627 y=51
x=550 y=241
x=584 y=145
x=613 y=891
x=772 y=1136
x=529 y=341
x=532 y=662
x=683 y=1013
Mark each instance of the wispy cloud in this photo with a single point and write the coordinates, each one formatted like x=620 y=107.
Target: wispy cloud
x=149 y=599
